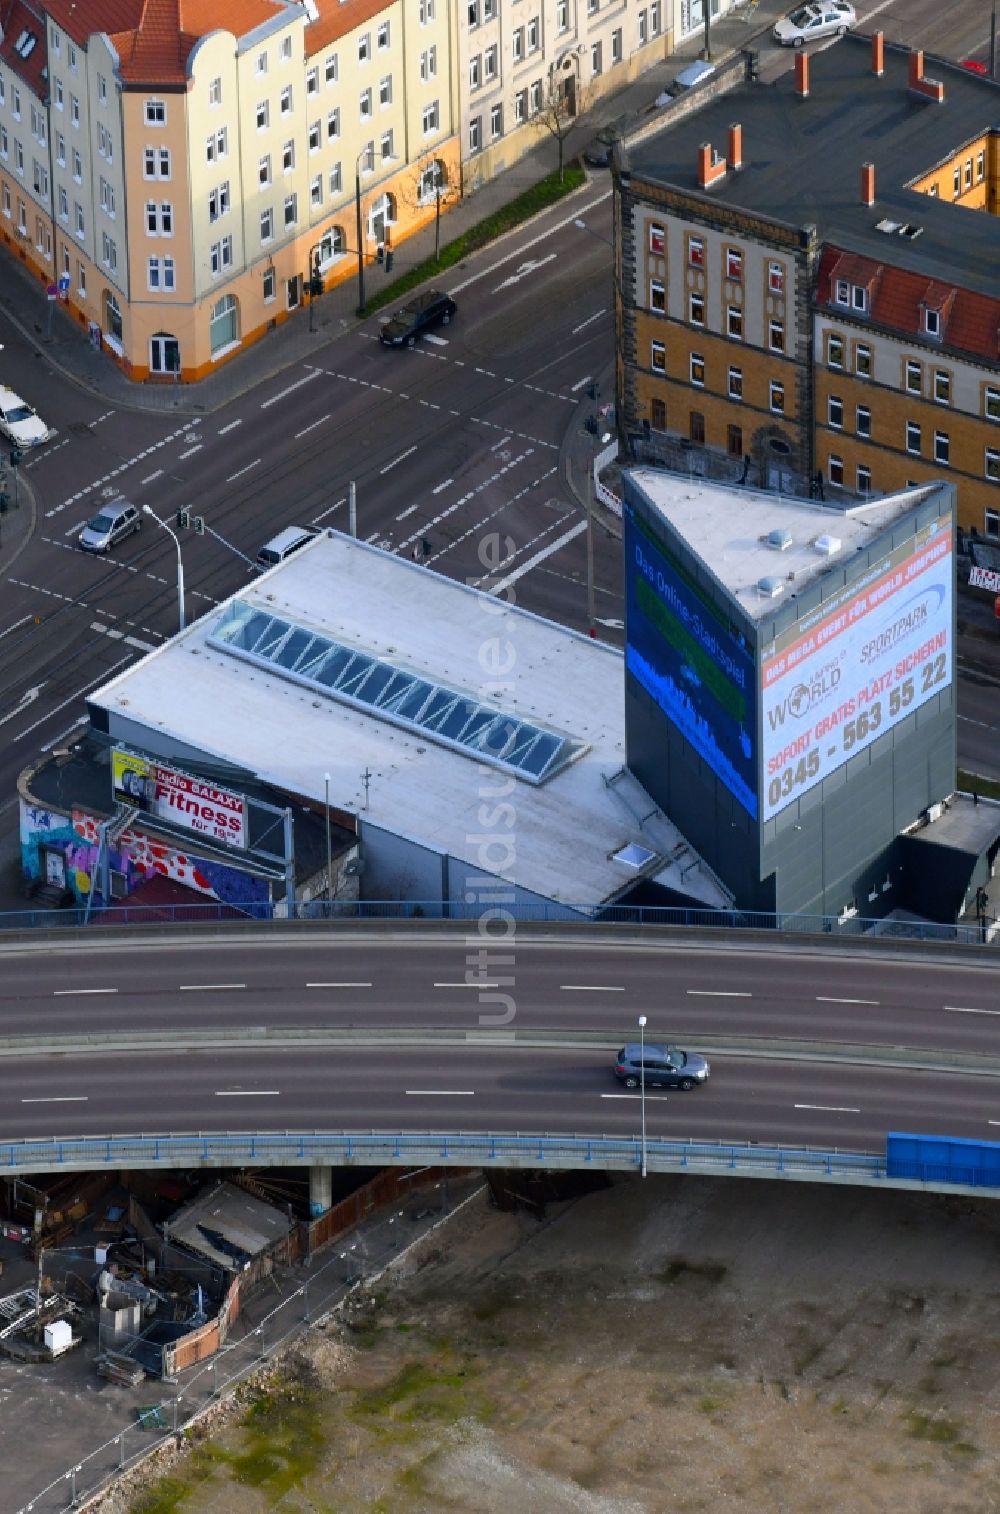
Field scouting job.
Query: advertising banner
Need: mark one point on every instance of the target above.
(984, 578)
(862, 663)
(684, 654)
(193, 803)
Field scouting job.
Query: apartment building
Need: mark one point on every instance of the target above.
(179, 175)
(809, 295)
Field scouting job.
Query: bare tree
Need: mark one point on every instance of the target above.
(564, 104)
(433, 181)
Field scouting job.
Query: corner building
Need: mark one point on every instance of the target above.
(808, 280)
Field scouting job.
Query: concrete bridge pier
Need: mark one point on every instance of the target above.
(320, 1190)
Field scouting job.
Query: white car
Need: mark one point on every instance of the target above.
(824, 18)
(19, 422)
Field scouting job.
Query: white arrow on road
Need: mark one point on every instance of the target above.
(28, 697)
(523, 271)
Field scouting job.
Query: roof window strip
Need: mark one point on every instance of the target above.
(352, 679)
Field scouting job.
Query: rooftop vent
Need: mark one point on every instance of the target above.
(826, 544)
(770, 588)
(899, 229)
(887, 226)
(779, 540)
(911, 231)
(634, 855)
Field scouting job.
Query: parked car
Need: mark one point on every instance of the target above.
(686, 79)
(660, 1066)
(283, 545)
(422, 314)
(824, 18)
(113, 522)
(20, 422)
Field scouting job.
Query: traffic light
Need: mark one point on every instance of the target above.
(183, 519)
(4, 501)
(380, 253)
(388, 260)
(199, 525)
(593, 390)
(590, 424)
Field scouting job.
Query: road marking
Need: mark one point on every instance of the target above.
(103, 678)
(651, 1098)
(63, 992)
(555, 546)
(404, 513)
(591, 988)
(580, 385)
(588, 322)
(961, 1009)
(190, 451)
(231, 427)
(829, 1108)
(60, 1098)
(409, 451)
(28, 697)
(247, 1093)
(580, 212)
(187, 988)
(24, 619)
(720, 993)
(826, 999)
(315, 373)
(441, 1093)
(150, 479)
(116, 635)
(234, 476)
(338, 985)
(306, 429)
(328, 511)
(469, 983)
(439, 341)
(531, 266)
(441, 487)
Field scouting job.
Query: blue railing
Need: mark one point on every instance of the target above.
(389, 910)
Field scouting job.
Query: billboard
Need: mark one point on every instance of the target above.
(193, 803)
(688, 659)
(862, 662)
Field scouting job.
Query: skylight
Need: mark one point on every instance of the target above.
(395, 694)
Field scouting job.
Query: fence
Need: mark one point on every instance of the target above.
(371, 911)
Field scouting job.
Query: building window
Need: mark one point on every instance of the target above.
(218, 201)
(697, 370)
(429, 64)
(734, 441)
(776, 278)
(473, 9)
(267, 224)
(385, 147)
(491, 61)
(734, 322)
(835, 471)
(736, 383)
(696, 428)
(658, 415)
(333, 124)
(156, 163)
(217, 144)
(658, 357)
(316, 186)
(364, 47)
(656, 18)
(657, 239)
(285, 100)
(536, 96)
(980, 167)
(291, 209)
(942, 447)
(430, 117)
(312, 82)
(776, 396)
(967, 173)
(334, 180)
(913, 378)
(288, 156)
(517, 44)
(776, 335)
(156, 113)
(220, 256)
(385, 91)
(261, 63)
(863, 420)
(263, 115)
(842, 292)
(532, 35)
(835, 350)
(496, 122)
(315, 137)
(215, 92)
(863, 360)
(696, 309)
(160, 273)
(993, 464)
(835, 412)
(913, 439)
(734, 263)
(864, 479)
(382, 35)
(616, 46)
(521, 105)
(331, 71)
(657, 296)
(426, 11)
(366, 103)
(475, 65)
(696, 252)
(859, 298)
(942, 386)
(932, 322)
(476, 134)
(562, 16)
(956, 182)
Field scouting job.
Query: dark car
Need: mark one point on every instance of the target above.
(660, 1066)
(422, 314)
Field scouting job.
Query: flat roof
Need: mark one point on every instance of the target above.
(223, 1213)
(802, 157)
(966, 824)
(194, 692)
(728, 525)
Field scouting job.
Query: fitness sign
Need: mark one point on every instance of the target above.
(869, 659)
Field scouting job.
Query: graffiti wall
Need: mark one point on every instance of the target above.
(137, 856)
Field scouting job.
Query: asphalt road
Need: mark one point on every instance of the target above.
(867, 1011)
(450, 443)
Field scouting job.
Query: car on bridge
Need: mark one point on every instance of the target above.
(660, 1066)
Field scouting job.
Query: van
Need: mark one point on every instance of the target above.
(283, 545)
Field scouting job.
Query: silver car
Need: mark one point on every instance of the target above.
(113, 522)
(823, 18)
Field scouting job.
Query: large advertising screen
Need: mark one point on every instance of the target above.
(862, 663)
(684, 654)
(197, 805)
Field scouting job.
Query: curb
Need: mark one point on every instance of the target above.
(24, 488)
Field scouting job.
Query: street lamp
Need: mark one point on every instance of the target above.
(642, 1085)
(591, 425)
(361, 244)
(180, 566)
(329, 842)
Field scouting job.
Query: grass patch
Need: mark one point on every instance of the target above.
(540, 196)
(939, 1431)
(678, 1268)
(708, 1403)
(419, 1393)
(168, 1496)
(973, 783)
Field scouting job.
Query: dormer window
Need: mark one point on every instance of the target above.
(842, 293)
(932, 322)
(859, 298)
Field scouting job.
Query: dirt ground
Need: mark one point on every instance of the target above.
(679, 1345)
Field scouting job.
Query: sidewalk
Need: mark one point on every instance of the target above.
(69, 350)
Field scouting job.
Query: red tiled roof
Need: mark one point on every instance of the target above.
(337, 18)
(971, 321)
(154, 38)
(15, 18)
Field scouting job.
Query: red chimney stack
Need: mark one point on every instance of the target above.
(868, 183)
(734, 157)
(878, 54)
(802, 75)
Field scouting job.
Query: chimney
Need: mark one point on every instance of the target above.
(710, 169)
(878, 54)
(927, 89)
(868, 183)
(802, 75)
(735, 156)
